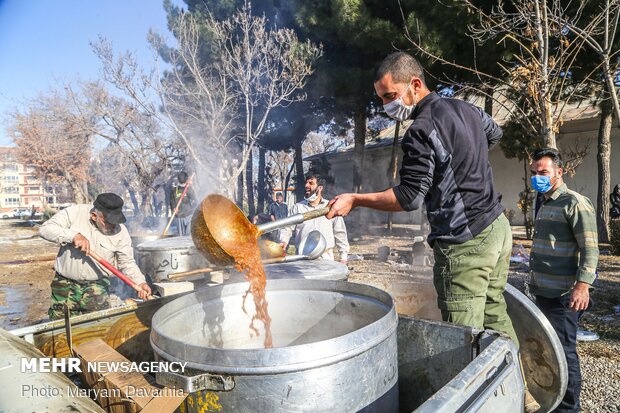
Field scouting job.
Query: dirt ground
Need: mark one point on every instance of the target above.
(24, 287)
(25, 294)
(600, 360)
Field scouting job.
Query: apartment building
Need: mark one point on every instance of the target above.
(19, 186)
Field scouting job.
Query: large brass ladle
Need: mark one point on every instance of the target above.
(218, 224)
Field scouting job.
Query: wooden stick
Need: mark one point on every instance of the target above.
(116, 272)
(176, 209)
(194, 272)
(207, 270)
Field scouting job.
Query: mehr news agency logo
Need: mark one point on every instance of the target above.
(74, 365)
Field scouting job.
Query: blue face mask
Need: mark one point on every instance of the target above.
(541, 183)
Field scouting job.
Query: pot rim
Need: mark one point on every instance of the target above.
(278, 359)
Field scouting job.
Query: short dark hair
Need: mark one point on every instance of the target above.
(320, 181)
(279, 194)
(182, 177)
(551, 153)
(402, 66)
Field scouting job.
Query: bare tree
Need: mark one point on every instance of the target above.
(268, 68)
(144, 148)
(48, 138)
(321, 142)
(542, 71)
(218, 108)
(599, 36)
(280, 163)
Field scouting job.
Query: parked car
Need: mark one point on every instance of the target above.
(27, 213)
(14, 213)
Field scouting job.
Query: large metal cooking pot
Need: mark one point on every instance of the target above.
(219, 224)
(137, 239)
(334, 348)
(161, 257)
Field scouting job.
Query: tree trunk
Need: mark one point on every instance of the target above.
(167, 193)
(604, 173)
(300, 181)
(611, 87)
(488, 100)
(84, 187)
(261, 179)
(393, 169)
(249, 186)
(146, 207)
(77, 188)
(287, 180)
(548, 135)
(240, 191)
(526, 202)
(359, 132)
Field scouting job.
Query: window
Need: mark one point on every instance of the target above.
(12, 201)
(11, 178)
(11, 190)
(10, 167)
(33, 189)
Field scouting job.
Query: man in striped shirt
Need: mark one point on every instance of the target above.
(563, 260)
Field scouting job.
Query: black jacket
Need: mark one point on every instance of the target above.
(446, 166)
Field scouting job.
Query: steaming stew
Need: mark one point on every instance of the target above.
(247, 258)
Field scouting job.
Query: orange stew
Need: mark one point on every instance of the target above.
(247, 258)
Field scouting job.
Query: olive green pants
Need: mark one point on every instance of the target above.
(80, 297)
(470, 279)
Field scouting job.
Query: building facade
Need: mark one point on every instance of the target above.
(19, 185)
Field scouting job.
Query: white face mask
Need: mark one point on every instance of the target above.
(314, 196)
(397, 109)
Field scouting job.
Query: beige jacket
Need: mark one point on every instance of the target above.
(334, 230)
(74, 264)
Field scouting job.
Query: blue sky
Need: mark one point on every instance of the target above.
(46, 42)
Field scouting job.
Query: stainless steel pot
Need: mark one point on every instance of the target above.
(138, 239)
(161, 257)
(334, 348)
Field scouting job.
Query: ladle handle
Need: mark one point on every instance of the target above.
(317, 213)
(292, 220)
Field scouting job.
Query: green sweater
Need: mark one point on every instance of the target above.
(565, 245)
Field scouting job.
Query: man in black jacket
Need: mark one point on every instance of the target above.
(446, 167)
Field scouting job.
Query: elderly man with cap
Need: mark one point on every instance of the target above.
(80, 282)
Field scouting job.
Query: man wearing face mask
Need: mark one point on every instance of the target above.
(446, 166)
(333, 230)
(80, 282)
(563, 260)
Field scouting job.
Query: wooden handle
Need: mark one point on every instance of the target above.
(317, 213)
(116, 272)
(194, 272)
(207, 270)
